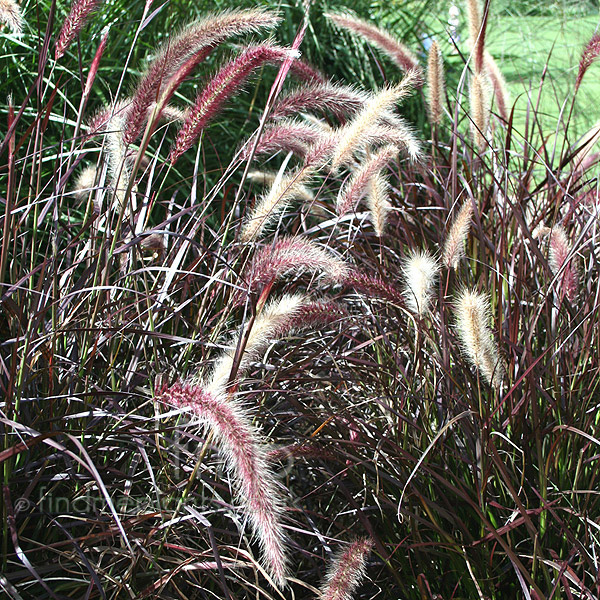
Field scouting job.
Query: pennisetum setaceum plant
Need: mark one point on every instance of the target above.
(262, 337)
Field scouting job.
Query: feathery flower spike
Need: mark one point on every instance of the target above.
(270, 205)
(476, 337)
(275, 320)
(286, 135)
(84, 183)
(226, 83)
(354, 189)
(341, 100)
(420, 271)
(454, 246)
(76, 19)
(499, 85)
(479, 100)
(354, 134)
(10, 15)
(244, 454)
(292, 255)
(589, 55)
(374, 287)
(435, 83)
(378, 202)
(562, 262)
(346, 572)
(183, 52)
(390, 46)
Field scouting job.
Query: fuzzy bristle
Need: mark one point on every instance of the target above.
(222, 86)
(292, 255)
(454, 246)
(244, 454)
(436, 90)
(419, 272)
(398, 52)
(355, 188)
(80, 12)
(476, 337)
(10, 15)
(182, 52)
(480, 92)
(346, 572)
(378, 200)
(271, 204)
(501, 95)
(354, 134)
(563, 262)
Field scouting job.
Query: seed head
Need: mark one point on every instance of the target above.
(476, 337)
(419, 271)
(346, 571)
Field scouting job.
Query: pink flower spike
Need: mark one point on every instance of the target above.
(288, 136)
(292, 255)
(563, 263)
(96, 62)
(226, 83)
(76, 19)
(589, 55)
(245, 457)
(398, 52)
(188, 49)
(352, 192)
(374, 287)
(339, 99)
(346, 572)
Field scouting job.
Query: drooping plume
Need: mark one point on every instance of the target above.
(340, 100)
(244, 454)
(10, 15)
(454, 246)
(355, 133)
(346, 572)
(287, 136)
(501, 95)
(292, 255)
(225, 84)
(398, 52)
(269, 206)
(356, 187)
(563, 262)
(188, 49)
(374, 287)
(275, 320)
(419, 272)
(589, 55)
(436, 87)
(78, 16)
(476, 337)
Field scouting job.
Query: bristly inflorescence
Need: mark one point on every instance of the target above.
(476, 337)
(244, 453)
(11, 15)
(346, 572)
(454, 245)
(292, 255)
(181, 54)
(80, 12)
(563, 262)
(420, 271)
(227, 82)
(398, 52)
